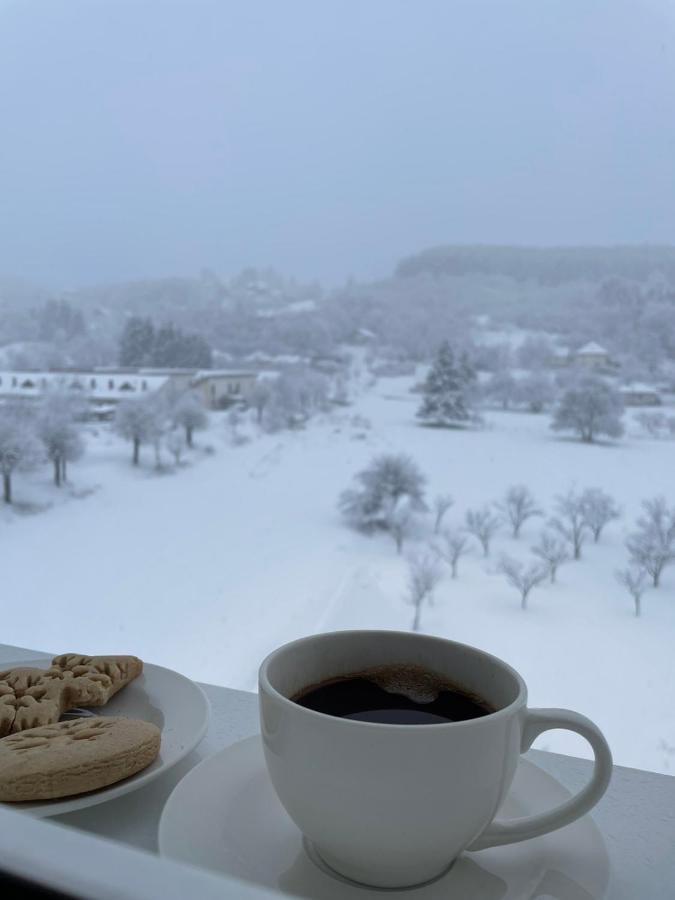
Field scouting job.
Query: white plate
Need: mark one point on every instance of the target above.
(225, 816)
(171, 701)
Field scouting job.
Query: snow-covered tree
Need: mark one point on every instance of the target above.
(590, 408)
(633, 578)
(502, 388)
(518, 506)
(570, 522)
(391, 482)
(19, 447)
(400, 521)
(522, 578)
(258, 396)
(424, 573)
(339, 391)
(599, 510)
(654, 423)
(552, 551)
(452, 546)
(140, 420)
(446, 400)
(652, 546)
(535, 352)
(536, 392)
(189, 414)
(442, 503)
(176, 444)
(483, 525)
(60, 436)
(294, 398)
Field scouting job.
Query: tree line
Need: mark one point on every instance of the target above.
(589, 407)
(389, 496)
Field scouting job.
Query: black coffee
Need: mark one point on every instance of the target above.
(393, 695)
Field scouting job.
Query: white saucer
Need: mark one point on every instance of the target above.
(171, 701)
(225, 816)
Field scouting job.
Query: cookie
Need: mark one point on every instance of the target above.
(72, 757)
(33, 697)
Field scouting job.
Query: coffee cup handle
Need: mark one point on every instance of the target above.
(537, 721)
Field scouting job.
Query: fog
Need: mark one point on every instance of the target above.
(326, 139)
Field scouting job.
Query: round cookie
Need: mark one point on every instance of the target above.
(75, 756)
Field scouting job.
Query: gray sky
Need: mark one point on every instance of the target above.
(326, 137)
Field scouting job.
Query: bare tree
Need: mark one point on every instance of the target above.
(652, 546)
(518, 506)
(294, 398)
(424, 573)
(502, 388)
(633, 579)
(61, 439)
(442, 503)
(522, 578)
(599, 510)
(570, 522)
(552, 551)
(140, 420)
(536, 391)
(400, 522)
(258, 396)
(654, 423)
(452, 547)
(189, 413)
(176, 444)
(19, 448)
(483, 525)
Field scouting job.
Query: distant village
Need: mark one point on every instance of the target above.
(105, 387)
(595, 357)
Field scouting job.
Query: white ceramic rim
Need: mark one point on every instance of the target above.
(45, 809)
(265, 684)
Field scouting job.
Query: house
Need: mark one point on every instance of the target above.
(559, 359)
(104, 387)
(220, 388)
(591, 356)
(640, 395)
(110, 385)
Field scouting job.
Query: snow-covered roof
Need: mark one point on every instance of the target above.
(281, 358)
(638, 388)
(92, 384)
(222, 373)
(591, 349)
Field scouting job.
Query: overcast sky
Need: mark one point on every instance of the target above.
(326, 137)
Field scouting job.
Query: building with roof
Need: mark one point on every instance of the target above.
(103, 388)
(220, 388)
(640, 395)
(592, 356)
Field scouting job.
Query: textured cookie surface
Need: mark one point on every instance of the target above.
(33, 697)
(72, 757)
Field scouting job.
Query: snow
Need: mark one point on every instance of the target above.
(591, 349)
(208, 568)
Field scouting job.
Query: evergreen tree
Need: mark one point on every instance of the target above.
(446, 390)
(137, 342)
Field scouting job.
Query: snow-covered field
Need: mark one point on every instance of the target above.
(207, 569)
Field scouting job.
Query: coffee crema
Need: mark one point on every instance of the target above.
(393, 695)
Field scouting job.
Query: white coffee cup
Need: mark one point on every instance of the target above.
(394, 805)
